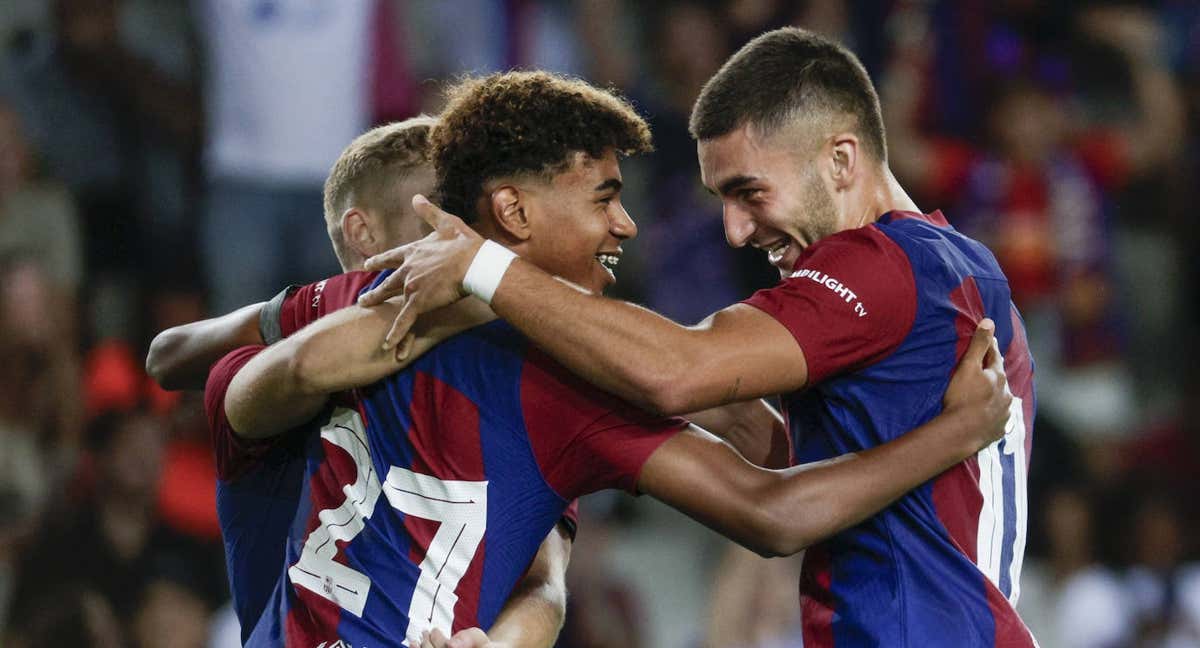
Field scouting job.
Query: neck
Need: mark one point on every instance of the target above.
(880, 194)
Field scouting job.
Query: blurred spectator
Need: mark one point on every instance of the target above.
(38, 406)
(289, 83)
(603, 610)
(112, 542)
(682, 244)
(1070, 600)
(173, 613)
(71, 616)
(1040, 195)
(108, 98)
(1164, 589)
(37, 218)
(754, 602)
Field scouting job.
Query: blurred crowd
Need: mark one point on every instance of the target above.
(162, 160)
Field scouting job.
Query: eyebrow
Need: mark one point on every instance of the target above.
(733, 183)
(611, 183)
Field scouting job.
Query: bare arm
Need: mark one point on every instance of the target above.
(534, 613)
(1156, 133)
(776, 513)
(289, 382)
(752, 427)
(736, 354)
(179, 357)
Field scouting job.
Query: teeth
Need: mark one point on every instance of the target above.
(609, 261)
(775, 254)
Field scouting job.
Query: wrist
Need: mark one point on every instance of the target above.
(970, 427)
(486, 270)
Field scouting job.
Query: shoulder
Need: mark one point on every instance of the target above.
(233, 454)
(341, 290)
(866, 249)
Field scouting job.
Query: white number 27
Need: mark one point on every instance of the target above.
(459, 506)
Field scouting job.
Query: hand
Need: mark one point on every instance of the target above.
(469, 638)
(979, 387)
(429, 272)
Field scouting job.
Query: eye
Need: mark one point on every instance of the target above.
(750, 195)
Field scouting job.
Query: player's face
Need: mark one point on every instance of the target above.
(774, 197)
(577, 222)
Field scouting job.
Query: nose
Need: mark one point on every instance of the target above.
(620, 224)
(739, 226)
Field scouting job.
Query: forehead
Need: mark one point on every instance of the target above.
(743, 152)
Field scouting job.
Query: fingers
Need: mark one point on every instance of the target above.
(469, 638)
(403, 324)
(434, 639)
(432, 214)
(392, 258)
(981, 341)
(404, 349)
(391, 286)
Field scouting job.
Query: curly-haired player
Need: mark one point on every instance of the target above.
(875, 302)
(367, 209)
(434, 487)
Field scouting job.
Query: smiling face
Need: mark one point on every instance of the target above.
(576, 221)
(774, 196)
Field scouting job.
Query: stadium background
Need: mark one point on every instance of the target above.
(141, 139)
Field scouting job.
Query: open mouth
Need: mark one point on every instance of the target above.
(609, 261)
(776, 251)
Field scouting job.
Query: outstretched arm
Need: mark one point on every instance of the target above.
(737, 354)
(289, 382)
(179, 357)
(777, 513)
(1156, 133)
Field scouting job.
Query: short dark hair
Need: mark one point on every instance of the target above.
(513, 123)
(783, 74)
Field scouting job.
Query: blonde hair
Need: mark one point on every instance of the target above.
(371, 163)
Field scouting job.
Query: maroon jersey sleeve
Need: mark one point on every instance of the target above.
(234, 454)
(586, 440)
(308, 303)
(849, 302)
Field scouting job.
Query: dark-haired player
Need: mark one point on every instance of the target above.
(876, 303)
(367, 210)
(434, 488)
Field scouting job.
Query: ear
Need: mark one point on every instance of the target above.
(358, 233)
(844, 158)
(507, 206)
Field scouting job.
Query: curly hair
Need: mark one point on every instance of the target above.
(515, 123)
(368, 166)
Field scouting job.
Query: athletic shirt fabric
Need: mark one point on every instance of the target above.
(882, 314)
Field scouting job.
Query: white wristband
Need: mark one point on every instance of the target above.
(487, 269)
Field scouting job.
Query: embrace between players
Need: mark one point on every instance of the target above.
(420, 492)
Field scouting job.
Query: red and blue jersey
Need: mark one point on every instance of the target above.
(259, 482)
(426, 496)
(882, 314)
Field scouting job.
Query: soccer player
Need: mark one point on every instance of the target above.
(367, 210)
(433, 487)
(876, 302)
